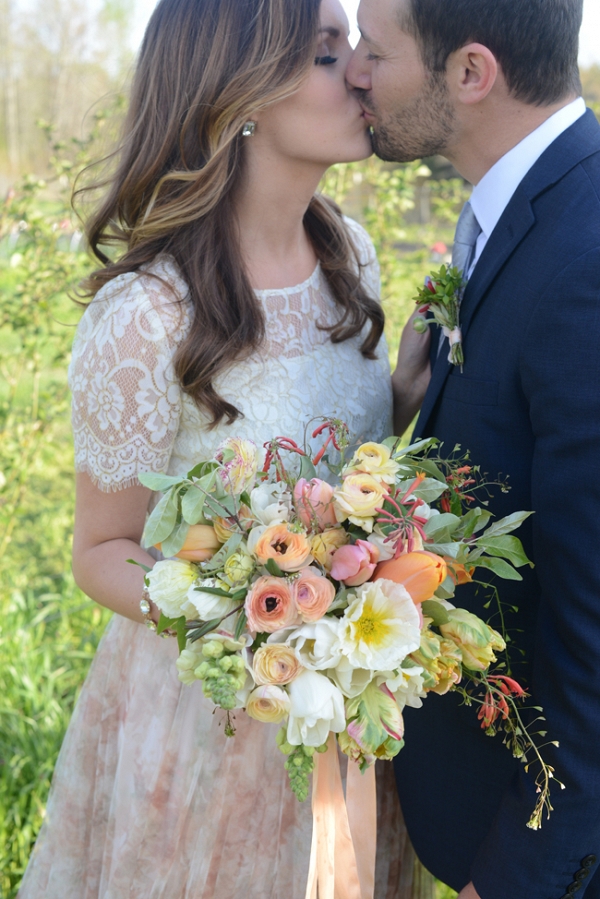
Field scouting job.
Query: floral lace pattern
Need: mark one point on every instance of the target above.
(130, 414)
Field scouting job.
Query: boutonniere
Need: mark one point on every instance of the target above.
(441, 296)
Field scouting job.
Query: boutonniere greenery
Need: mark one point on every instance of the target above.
(441, 296)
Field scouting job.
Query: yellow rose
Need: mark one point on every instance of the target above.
(275, 664)
(374, 459)
(268, 704)
(323, 546)
(358, 498)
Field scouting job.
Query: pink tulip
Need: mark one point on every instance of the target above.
(314, 503)
(354, 565)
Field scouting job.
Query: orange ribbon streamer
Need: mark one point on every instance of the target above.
(344, 839)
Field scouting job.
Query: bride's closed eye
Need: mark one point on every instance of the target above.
(325, 60)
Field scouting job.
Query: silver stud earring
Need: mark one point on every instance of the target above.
(249, 129)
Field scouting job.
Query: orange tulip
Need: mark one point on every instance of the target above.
(421, 573)
(458, 572)
(200, 544)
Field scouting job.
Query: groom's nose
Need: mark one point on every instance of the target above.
(358, 71)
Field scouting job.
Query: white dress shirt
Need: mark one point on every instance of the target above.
(493, 193)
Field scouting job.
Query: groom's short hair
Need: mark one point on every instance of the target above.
(536, 42)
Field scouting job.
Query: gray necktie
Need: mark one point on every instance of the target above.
(463, 252)
(467, 232)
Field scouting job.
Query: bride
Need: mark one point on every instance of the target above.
(238, 302)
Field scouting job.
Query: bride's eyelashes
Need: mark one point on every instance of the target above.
(325, 60)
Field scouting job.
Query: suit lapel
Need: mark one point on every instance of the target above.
(516, 222)
(577, 143)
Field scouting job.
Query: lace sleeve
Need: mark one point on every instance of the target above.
(370, 272)
(126, 399)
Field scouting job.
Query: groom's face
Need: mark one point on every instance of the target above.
(408, 107)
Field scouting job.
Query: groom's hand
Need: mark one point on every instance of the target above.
(469, 892)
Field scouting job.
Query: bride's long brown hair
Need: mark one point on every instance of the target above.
(205, 67)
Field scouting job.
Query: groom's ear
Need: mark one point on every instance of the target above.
(472, 73)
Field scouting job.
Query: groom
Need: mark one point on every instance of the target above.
(493, 85)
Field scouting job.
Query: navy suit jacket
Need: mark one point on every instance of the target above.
(527, 405)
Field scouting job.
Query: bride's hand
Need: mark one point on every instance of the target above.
(412, 375)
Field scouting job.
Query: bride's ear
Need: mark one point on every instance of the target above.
(472, 73)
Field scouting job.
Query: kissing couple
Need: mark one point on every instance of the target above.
(240, 300)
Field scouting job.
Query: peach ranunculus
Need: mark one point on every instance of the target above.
(269, 704)
(270, 605)
(289, 548)
(200, 544)
(240, 460)
(324, 545)
(420, 572)
(374, 459)
(358, 498)
(313, 594)
(354, 565)
(314, 503)
(275, 663)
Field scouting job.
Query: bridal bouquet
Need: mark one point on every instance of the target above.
(327, 607)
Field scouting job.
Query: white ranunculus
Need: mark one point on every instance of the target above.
(169, 583)
(351, 681)
(254, 536)
(387, 551)
(317, 645)
(380, 627)
(206, 605)
(317, 707)
(408, 687)
(271, 503)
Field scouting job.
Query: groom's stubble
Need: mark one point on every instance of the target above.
(422, 127)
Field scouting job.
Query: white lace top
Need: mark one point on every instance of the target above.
(130, 414)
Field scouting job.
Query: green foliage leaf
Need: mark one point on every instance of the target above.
(499, 567)
(165, 624)
(162, 520)
(417, 447)
(435, 611)
(474, 521)
(446, 523)
(204, 629)
(139, 565)
(508, 524)
(157, 481)
(509, 548)
(307, 469)
(446, 549)
(240, 626)
(273, 568)
(192, 504)
(174, 542)
(430, 489)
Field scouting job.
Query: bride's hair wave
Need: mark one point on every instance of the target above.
(205, 68)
